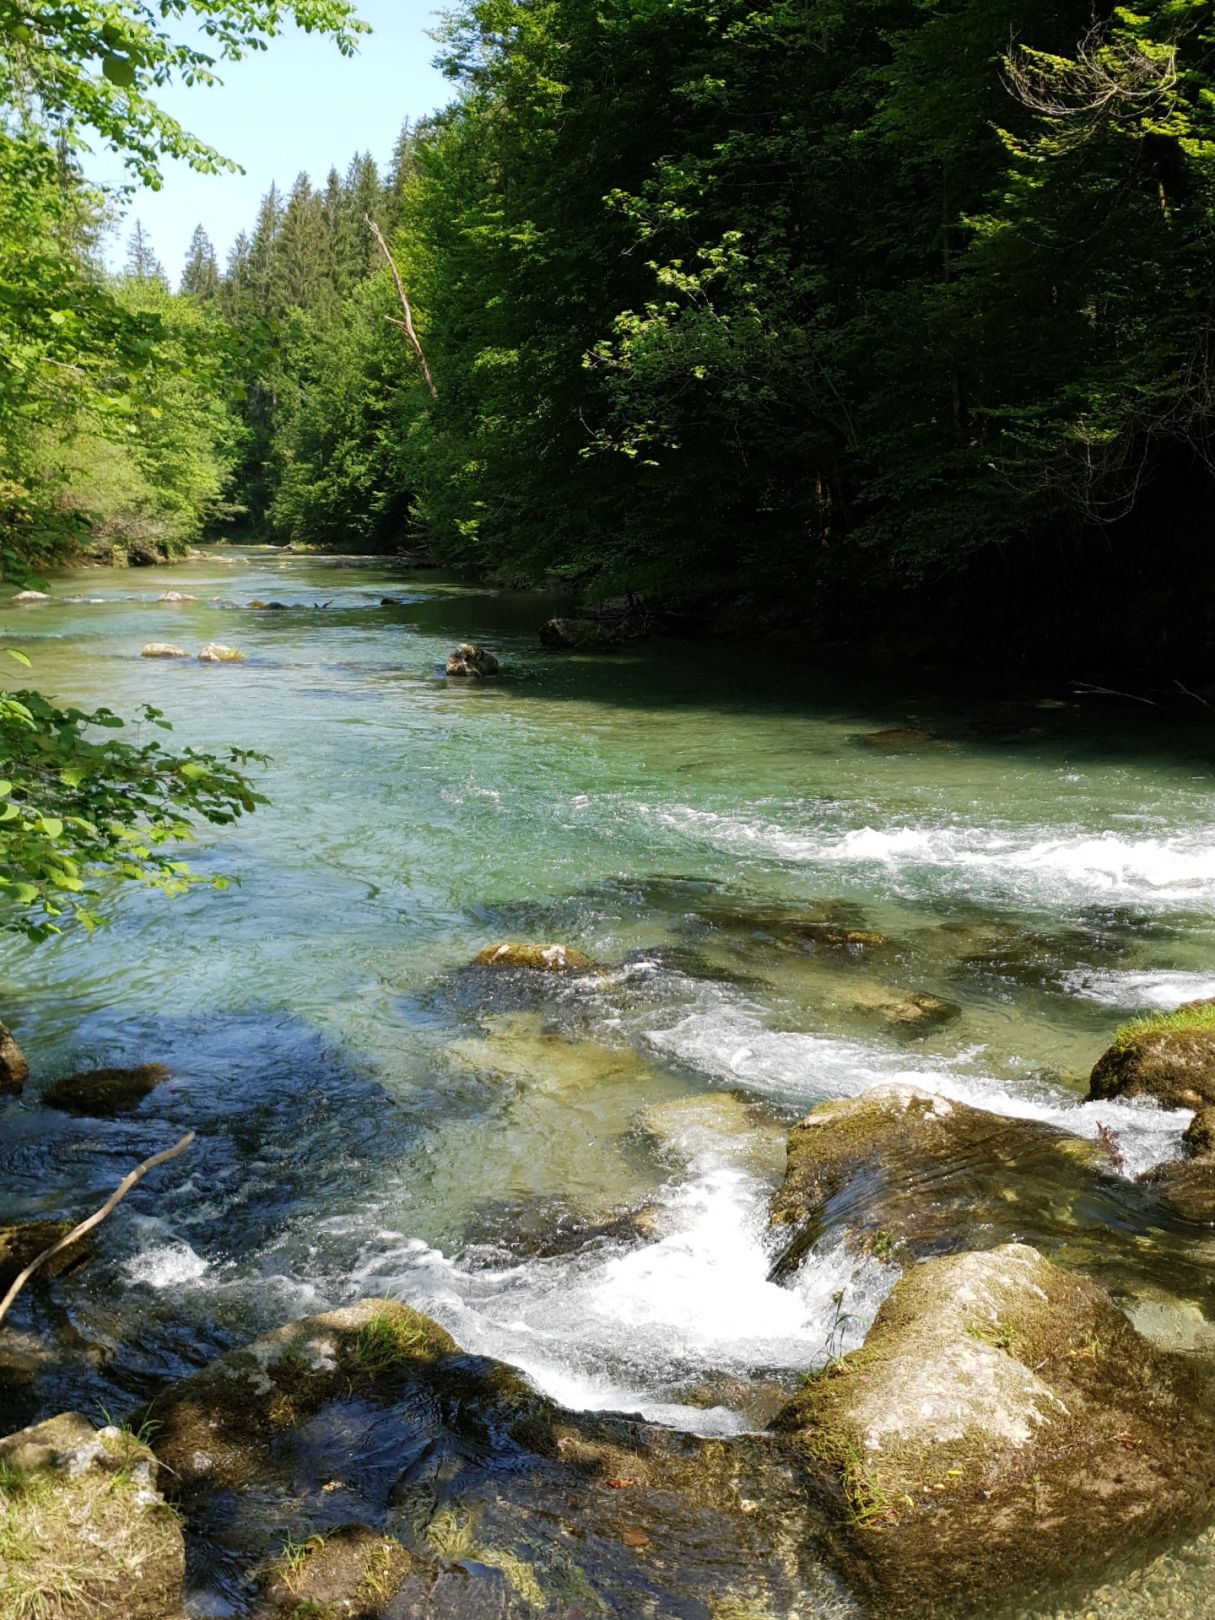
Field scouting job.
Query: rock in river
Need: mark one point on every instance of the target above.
(908, 1173)
(23, 1241)
(163, 649)
(471, 662)
(84, 1533)
(28, 598)
(1170, 1058)
(14, 1070)
(102, 1093)
(216, 653)
(1002, 1429)
(539, 958)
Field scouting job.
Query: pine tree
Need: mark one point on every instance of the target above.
(142, 263)
(303, 252)
(201, 273)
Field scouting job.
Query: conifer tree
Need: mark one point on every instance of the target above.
(201, 273)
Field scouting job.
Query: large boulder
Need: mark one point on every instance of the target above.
(14, 1070)
(471, 662)
(1002, 1431)
(536, 958)
(103, 1093)
(908, 1174)
(1170, 1058)
(84, 1532)
(1186, 1187)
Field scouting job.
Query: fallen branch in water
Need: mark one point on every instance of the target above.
(111, 1203)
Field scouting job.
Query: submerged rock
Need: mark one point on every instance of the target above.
(906, 1173)
(470, 661)
(537, 958)
(1186, 1188)
(351, 1571)
(268, 607)
(216, 653)
(25, 598)
(14, 1070)
(906, 1011)
(102, 1093)
(1175, 1066)
(163, 649)
(907, 737)
(84, 1532)
(176, 596)
(1003, 1430)
(579, 635)
(23, 1241)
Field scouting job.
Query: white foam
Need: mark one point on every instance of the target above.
(733, 1045)
(167, 1265)
(621, 1329)
(1140, 990)
(1047, 865)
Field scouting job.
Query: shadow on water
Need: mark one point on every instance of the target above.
(207, 1252)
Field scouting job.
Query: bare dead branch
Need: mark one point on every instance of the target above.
(406, 325)
(111, 1203)
(1108, 80)
(1085, 689)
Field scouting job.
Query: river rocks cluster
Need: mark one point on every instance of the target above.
(215, 652)
(1002, 1431)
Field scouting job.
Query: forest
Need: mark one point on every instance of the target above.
(811, 306)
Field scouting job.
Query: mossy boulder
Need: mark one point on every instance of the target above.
(23, 1241)
(218, 1427)
(536, 958)
(1002, 1431)
(1186, 1188)
(14, 1070)
(103, 1093)
(84, 1532)
(470, 662)
(1169, 1057)
(909, 1174)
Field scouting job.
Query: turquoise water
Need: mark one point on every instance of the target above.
(376, 1117)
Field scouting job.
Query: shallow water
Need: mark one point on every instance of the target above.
(376, 1117)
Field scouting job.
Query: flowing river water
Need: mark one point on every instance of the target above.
(375, 1117)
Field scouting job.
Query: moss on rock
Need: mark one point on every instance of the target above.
(1006, 1430)
(351, 1571)
(23, 1241)
(102, 1093)
(84, 1534)
(536, 958)
(1167, 1056)
(928, 1174)
(1199, 1137)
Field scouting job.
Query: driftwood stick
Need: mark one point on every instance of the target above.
(1086, 689)
(406, 325)
(111, 1203)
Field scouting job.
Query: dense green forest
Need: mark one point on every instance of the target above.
(790, 310)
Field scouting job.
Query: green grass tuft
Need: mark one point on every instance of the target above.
(1180, 1022)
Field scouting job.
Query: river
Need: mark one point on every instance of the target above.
(375, 1117)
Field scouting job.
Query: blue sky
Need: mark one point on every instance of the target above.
(298, 105)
